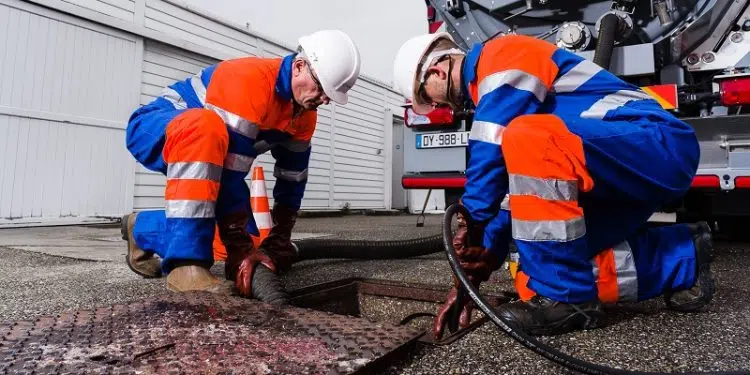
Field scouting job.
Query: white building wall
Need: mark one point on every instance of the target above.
(78, 68)
(67, 89)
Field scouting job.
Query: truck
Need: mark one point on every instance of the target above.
(689, 55)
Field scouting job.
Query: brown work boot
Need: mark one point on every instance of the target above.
(140, 261)
(236, 240)
(542, 316)
(188, 277)
(700, 294)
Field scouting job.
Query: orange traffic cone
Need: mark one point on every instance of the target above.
(260, 206)
(261, 213)
(220, 252)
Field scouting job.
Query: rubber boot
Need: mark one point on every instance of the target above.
(187, 277)
(543, 316)
(700, 294)
(140, 261)
(237, 241)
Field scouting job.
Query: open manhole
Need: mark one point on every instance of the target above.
(403, 304)
(343, 327)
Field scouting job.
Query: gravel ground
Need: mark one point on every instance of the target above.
(43, 273)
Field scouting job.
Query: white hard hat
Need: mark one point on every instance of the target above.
(406, 78)
(335, 60)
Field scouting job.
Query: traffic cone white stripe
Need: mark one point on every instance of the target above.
(258, 188)
(260, 205)
(263, 220)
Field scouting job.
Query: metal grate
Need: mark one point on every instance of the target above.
(198, 333)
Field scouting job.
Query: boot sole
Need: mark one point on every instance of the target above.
(126, 237)
(592, 321)
(700, 303)
(223, 289)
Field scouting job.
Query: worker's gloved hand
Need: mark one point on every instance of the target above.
(278, 244)
(246, 270)
(478, 263)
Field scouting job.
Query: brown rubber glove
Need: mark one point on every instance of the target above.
(246, 270)
(477, 262)
(278, 244)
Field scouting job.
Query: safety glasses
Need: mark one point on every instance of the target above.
(315, 79)
(421, 92)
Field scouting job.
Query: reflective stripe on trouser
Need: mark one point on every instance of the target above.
(195, 148)
(618, 188)
(650, 263)
(546, 170)
(191, 145)
(146, 135)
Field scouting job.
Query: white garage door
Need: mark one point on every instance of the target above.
(66, 92)
(359, 149)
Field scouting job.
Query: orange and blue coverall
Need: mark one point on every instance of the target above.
(570, 162)
(204, 133)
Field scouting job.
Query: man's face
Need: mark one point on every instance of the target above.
(306, 87)
(435, 87)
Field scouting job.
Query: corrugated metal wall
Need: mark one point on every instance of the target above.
(181, 23)
(162, 66)
(71, 83)
(359, 144)
(123, 9)
(66, 90)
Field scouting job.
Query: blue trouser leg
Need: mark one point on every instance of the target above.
(145, 137)
(150, 226)
(150, 231)
(664, 260)
(192, 155)
(651, 261)
(633, 168)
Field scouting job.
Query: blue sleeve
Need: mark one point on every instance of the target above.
(497, 234)
(486, 175)
(292, 160)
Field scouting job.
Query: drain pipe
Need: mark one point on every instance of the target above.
(322, 248)
(609, 28)
(267, 286)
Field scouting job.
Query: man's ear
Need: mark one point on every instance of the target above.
(297, 67)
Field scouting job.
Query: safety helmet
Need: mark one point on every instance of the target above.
(335, 60)
(410, 66)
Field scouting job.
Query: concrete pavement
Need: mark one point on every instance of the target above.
(50, 270)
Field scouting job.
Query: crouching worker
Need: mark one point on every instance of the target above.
(585, 159)
(204, 133)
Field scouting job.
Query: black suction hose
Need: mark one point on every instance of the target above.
(605, 42)
(322, 248)
(515, 332)
(267, 286)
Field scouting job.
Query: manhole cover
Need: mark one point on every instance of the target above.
(198, 333)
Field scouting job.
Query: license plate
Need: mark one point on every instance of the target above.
(436, 140)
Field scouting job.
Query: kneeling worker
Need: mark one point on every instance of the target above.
(585, 159)
(204, 133)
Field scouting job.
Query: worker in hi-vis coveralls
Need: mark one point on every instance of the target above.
(204, 133)
(568, 162)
